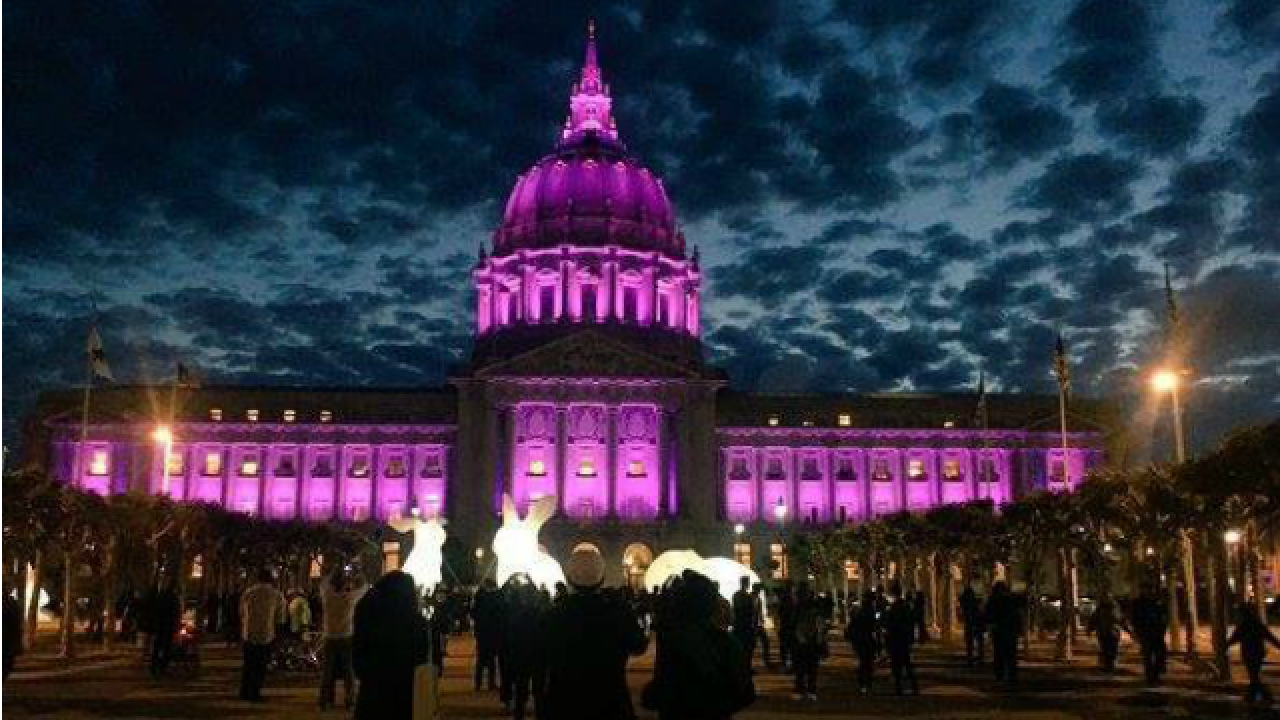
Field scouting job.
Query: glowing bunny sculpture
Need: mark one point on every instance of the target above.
(725, 573)
(427, 558)
(516, 544)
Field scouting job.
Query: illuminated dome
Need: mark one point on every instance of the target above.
(590, 191)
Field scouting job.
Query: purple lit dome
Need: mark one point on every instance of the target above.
(589, 191)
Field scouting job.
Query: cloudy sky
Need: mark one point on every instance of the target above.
(887, 195)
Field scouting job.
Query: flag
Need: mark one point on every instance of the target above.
(981, 414)
(187, 376)
(1060, 366)
(98, 357)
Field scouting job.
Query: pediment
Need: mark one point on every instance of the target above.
(587, 354)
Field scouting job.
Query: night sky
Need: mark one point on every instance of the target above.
(887, 195)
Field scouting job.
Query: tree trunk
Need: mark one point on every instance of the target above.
(1175, 616)
(1219, 568)
(1066, 651)
(108, 594)
(1193, 592)
(68, 605)
(33, 610)
(1255, 569)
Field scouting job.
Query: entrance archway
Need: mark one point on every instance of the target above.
(636, 559)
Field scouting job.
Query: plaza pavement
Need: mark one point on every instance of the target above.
(97, 685)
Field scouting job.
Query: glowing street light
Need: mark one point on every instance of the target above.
(739, 529)
(1232, 537)
(163, 435)
(479, 553)
(780, 511)
(1167, 381)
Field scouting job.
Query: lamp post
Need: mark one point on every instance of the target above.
(1167, 381)
(780, 514)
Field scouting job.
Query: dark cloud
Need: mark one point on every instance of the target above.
(1255, 23)
(1013, 126)
(769, 275)
(1081, 189)
(1257, 144)
(1154, 124)
(1111, 49)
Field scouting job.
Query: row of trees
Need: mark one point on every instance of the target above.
(1163, 524)
(78, 544)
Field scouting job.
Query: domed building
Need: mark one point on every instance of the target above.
(588, 384)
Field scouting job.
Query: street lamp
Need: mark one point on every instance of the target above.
(739, 529)
(780, 511)
(1231, 536)
(1167, 381)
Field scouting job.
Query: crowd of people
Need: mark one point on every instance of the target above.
(562, 652)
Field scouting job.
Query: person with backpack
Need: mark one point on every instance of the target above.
(700, 671)
(810, 636)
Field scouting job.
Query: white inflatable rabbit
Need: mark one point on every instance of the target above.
(725, 573)
(427, 558)
(516, 544)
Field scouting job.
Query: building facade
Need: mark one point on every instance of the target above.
(587, 382)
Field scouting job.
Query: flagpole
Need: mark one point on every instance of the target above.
(83, 450)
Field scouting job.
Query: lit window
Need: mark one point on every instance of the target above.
(635, 468)
(326, 416)
(359, 466)
(395, 467)
(915, 470)
(537, 468)
(213, 463)
(215, 414)
(880, 469)
(176, 463)
(290, 416)
(951, 469)
(587, 468)
(844, 420)
(773, 421)
(99, 462)
(1055, 470)
(252, 415)
(949, 424)
(807, 423)
(249, 466)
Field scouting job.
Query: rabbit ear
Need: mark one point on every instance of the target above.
(510, 515)
(402, 524)
(541, 511)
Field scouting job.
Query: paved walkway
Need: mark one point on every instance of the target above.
(116, 686)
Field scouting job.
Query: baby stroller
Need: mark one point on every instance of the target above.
(185, 658)
(297, 653)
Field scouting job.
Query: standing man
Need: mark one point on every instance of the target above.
(261, 607)
(1005, 619)
(900, 633)
(862, 636)
(1253, 636)
(338, 598)
(590, 636)
(975, 629)
(486, 622)
(166, 618)
(762, 634)
(1149, 620)
(786, 616)
(744, 618)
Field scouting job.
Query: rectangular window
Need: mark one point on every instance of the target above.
(215, 414)
(587, 468)
(177, 462)
(778, 553)
(431, 466)
(773, 469)
(635, 468)
(844, 469)
(844, 513)
(323, 467)
(290, 416)
(213, 463)
(537, 468)
(252, 415)
(844, 420)
(951, 470)
(773, 421)
(326, 416)
(285, 466)
(915, 470)
(99, 462)
(742, 553)
(738, 469)
(249, 466)
(987, 470)
(809, 469)
(396, 468)
(359, 466)
(880, 470)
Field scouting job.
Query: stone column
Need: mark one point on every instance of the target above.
(662, 470)
(864, 477)
(562, 469)
(611, 459)
(469, 492)
(697, 454)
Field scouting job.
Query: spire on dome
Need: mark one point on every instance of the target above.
(590, 107)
